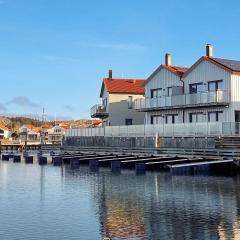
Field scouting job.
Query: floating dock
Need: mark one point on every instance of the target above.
(175, 164)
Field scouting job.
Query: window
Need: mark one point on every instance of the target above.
(215, 116)
(195, 88)
(128, 121)
(171, 118)
(215, 85)
(156, 119)
(196, 117)
(130, 102)
(105, 102)
(169, 91)
(155, 93)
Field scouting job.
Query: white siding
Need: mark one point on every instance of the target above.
(235, 96)
(164, 113)
(206, 72)
(163, 79)
(205, 111)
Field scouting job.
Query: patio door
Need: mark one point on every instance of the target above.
(237, 121)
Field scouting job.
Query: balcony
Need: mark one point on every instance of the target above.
(201, 99)
(99, 111)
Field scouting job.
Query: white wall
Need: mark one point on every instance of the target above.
(206, 72)
(163, 79)
(119, 111)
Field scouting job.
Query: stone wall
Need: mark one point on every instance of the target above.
(141, 142)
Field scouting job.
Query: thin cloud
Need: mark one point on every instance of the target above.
(69, 108)
(23, 101)
(2, 107)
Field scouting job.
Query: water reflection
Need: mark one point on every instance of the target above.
(85, 204)
(168, 207)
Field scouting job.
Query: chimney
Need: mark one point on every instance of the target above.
(168, 60)
(110, 74)
(209, 50)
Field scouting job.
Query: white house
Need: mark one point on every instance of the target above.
(208, 91)
(4, 132)
(25, 133)
(55, 135)
(117, 97)
(164, 83)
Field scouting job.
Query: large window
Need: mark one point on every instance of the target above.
(156, 92)
(130, 102)
(196, 117)
(128, 121)
(156, 119)
(105, 102)
(215, 116)
(169, 91)
(171, 118)
(215, 85)
(195, 88)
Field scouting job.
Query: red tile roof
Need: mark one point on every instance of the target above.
(176, 69)
(128, 86)
(4, 127)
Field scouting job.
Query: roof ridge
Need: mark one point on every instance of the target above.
(225, 59)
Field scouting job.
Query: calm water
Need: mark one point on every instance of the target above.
(54, 203)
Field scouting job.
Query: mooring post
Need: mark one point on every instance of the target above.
(93, 163)
(29, 159)
(16, 158)
(42, 160)
(57, 161)
(140, 168)
(116, 166)
(74, 162)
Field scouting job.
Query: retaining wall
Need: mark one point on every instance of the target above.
(141, 142)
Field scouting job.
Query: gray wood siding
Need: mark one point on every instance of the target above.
(163, 79)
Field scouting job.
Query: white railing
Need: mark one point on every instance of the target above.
(168, 130)
(98, 109)
(184, 100)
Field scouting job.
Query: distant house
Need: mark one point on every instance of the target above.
(65, 125)
(117, 96)
(55, 135)
(26, 133)
(4, 132)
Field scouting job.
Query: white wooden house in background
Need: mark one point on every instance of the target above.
(26, 133)
(5, 133)
(208, 91)
(55, 135)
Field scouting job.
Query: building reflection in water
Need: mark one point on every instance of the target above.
(161, 206)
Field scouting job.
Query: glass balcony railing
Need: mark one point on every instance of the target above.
(99, 111)
(184, 101)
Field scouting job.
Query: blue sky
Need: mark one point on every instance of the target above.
(54, 53)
